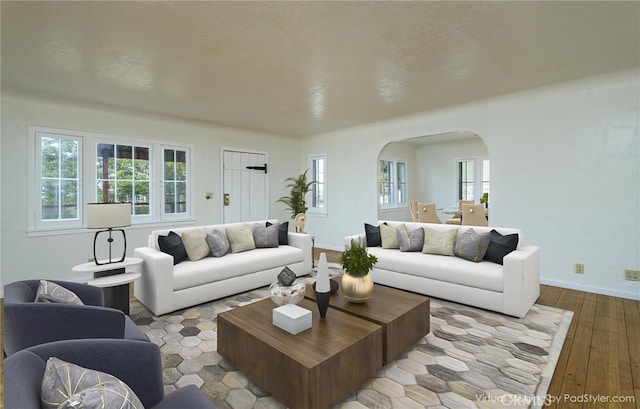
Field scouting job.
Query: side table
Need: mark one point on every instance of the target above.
(114, 280)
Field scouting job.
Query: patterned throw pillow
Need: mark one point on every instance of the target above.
(67, 386)
(54, 293)
(283, 233)
(218, 243)
(410, 240)
(172, 245)
(195, 243)
(439, 242)
(265, 236)
(471, 245)
(389, 237)
(240, 238)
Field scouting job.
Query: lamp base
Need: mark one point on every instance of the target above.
(110, 241)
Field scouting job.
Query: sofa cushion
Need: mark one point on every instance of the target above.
(195, 244)
(373, 235)
(172, 245)
(218, 243)
(265, 236)
(389, 237)
(54, 293)
(283, 232)
(439, 242)
(500, 245)
(471, 245)
(66, 385)
(194, 273)
(240, 238)
(484, 275)
(410, 240)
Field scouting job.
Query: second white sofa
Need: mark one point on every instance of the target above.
(165, 287)
(510, 288)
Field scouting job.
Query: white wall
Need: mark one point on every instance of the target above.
(564, 158)
(53, 256)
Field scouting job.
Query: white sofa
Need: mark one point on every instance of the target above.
(164, 288)
(511, 288)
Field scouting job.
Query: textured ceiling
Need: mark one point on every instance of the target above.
(301, 68)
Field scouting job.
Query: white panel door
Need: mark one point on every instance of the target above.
(244, 186)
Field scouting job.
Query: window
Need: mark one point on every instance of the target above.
(175, 181)
(318, 166)
(468, 183)
(466, 175)
(392, 183)
(122, 175)
(116, 170)
(59, 183)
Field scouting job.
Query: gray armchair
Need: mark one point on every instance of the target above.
(28, 323)
(138, 364)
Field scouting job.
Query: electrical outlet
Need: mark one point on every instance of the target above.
(579, 269)
(632, 275)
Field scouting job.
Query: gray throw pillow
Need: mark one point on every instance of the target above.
(389, 237)
(410, 240)
(240, 238)
(54, 293)
(439, 242)
(218, 243)
(265, 236)
(67, 386)
(471, 245)
(195, 243)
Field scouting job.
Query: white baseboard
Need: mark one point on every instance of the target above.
(590, 289)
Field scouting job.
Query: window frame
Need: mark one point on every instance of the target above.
(88, 159)
(479, 182)
(394, 183)
(314, 193)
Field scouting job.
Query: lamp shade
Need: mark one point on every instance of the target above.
(105, 215)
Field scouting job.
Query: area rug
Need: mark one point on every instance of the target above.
(472, 358)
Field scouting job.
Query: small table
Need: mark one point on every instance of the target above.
(113, 279)
(315, 369)
(405, 317)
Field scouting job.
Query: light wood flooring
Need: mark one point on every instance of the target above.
(600, 358)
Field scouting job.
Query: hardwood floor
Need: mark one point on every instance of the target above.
(600, 358)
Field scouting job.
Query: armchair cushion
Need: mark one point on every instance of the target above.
(52, 292)
(137, 364)
(66, 385)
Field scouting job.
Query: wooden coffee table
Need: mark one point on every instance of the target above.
(314, 369)
(404, 316)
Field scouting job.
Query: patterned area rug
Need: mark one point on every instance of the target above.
(472, 358)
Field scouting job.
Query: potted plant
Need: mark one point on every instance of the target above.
(485, 199)
(299, 187)
(357, 283)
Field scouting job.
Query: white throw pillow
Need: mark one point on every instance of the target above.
(195, 242)
(389, 236)
(240, 238)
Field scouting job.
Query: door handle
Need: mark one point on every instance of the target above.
(226, 199)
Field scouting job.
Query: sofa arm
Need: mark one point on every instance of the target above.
(154, 289)
(357, 237)
(303, 241)
(29, 324)
(521, 269)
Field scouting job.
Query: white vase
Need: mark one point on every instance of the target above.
(322, 279)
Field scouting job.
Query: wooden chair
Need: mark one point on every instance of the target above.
(473, 215)
(413, 208)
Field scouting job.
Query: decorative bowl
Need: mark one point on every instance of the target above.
(287, 294)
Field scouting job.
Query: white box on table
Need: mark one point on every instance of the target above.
(292, 318)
